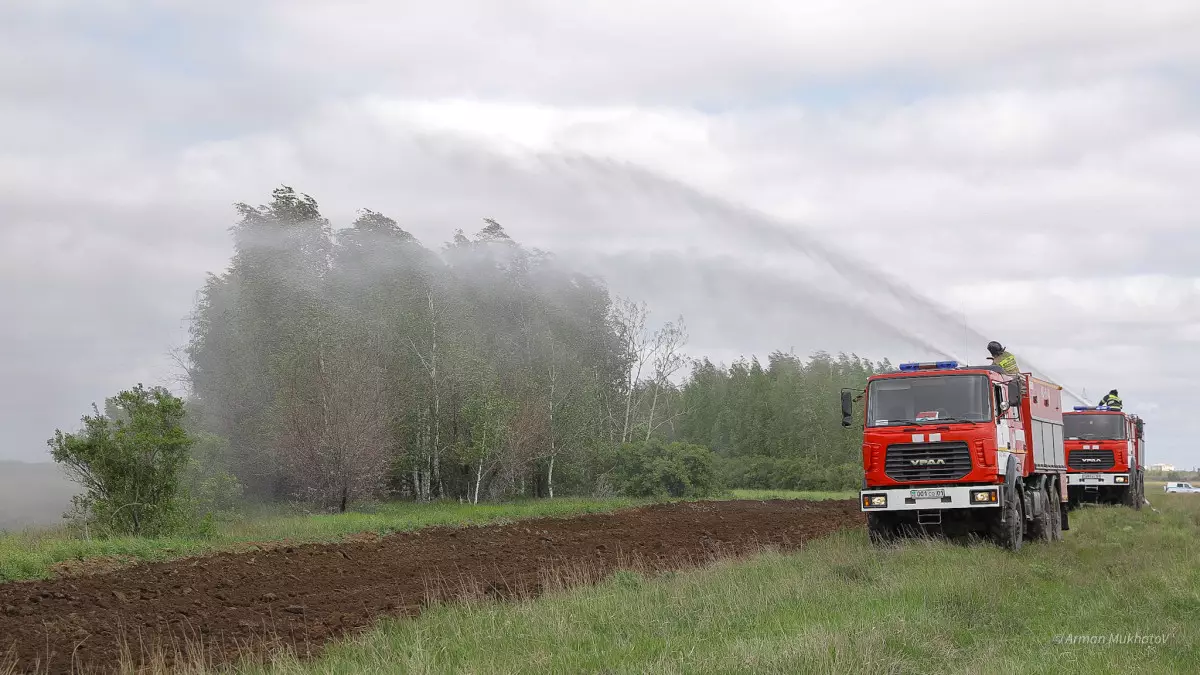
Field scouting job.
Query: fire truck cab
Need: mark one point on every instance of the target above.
(1105, 456)
(963, 450)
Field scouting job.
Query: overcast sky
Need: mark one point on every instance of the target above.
(787, 175)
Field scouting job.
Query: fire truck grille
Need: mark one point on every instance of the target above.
(927, 461)
(1091, 460)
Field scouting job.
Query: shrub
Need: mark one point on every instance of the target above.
(129, 462)
(211, 492)
(787, 473)
(654, 469)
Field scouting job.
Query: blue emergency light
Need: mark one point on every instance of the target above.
(928, 365)
(1088, 407)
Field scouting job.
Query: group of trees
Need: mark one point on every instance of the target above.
(342, 365)
(779, 426)
(331, 366)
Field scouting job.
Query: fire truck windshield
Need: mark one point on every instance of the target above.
(932, 398)
(1094, 427)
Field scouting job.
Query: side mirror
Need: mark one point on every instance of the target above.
(847, 408)
(1141, 429)
(1014, 391)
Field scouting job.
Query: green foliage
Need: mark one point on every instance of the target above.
(790, 494)
(777, 427)
(208, 488)
(347, 364)
(129, 462)
(657, 469)
(787, 473)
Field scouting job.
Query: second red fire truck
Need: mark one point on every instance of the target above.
(1106, 452)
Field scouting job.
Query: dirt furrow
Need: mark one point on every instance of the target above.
(304, 596)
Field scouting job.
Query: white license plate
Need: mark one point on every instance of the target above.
(1091, 476)
(927, 494)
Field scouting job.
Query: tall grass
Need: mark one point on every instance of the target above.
(841, 606)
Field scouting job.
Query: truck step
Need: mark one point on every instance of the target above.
(929, 517)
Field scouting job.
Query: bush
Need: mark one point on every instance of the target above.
(209, 490)
(654, 469)
(759, 472)
(129, 462)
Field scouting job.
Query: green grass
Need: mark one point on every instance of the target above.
(841, 606)
(33, 554)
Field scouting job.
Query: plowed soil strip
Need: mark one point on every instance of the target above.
(302, 597)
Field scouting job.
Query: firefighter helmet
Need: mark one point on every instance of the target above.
(995, 348)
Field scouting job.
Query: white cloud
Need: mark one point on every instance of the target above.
(1031, 165)
(715, 50)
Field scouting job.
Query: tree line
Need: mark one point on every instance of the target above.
(335, 365)
(778, 426)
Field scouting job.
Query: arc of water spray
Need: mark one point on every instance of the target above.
(569, 173)
(796, 239)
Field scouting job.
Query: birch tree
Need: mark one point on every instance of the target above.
(667, 359)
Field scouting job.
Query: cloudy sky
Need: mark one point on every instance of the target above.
(841, 175)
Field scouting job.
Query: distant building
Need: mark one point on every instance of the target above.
(1162, 468)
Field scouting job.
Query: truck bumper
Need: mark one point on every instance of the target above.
(1077, 479)
(925, 499)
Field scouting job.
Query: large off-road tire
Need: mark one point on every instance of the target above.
(1129, 497)
(1054, 505)
(1009, 533)
(1044, 526)
(1140, 496)
(881, 529)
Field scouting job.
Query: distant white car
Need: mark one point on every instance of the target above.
(1180, 487)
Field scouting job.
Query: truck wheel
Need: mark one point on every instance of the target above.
(880, 529)
(1010, 534)
(1054, 506)
(1129, 496)
(1043, 526)
(1139, 496)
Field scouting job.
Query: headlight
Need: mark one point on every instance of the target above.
(874, 501)
(1121, 479)
(985, 496)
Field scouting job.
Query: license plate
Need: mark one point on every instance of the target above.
(1092, 476)
(927, 494)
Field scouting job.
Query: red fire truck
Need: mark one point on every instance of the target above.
(962, 450)
(1105, 456)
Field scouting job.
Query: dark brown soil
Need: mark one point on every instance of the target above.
(303, 596)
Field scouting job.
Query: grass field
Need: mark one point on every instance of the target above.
(1120, 595)
(35, 553)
